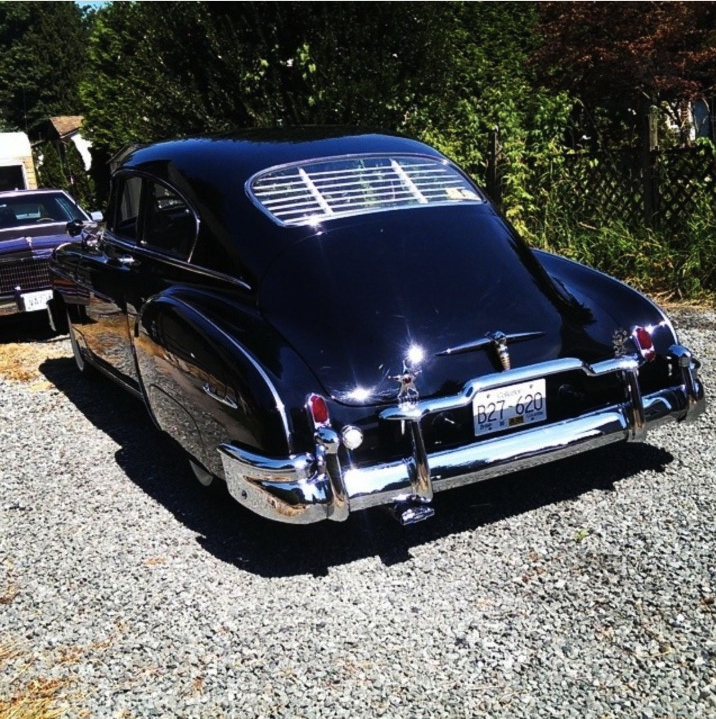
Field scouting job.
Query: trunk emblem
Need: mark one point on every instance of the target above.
(408, 392)
(619, 340)
(499, 341)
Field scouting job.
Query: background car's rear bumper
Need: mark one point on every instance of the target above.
(306, 488)
(9, 306)
(28, 302)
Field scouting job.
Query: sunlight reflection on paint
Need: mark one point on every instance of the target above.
(415, 355)
(359, 394)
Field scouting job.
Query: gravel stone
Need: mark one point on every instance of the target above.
(580, 589)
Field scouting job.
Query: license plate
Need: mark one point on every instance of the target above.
(516, 405)
(36, 300)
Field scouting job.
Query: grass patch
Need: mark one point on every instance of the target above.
(36, 700)
(24, 693)
(20, 362)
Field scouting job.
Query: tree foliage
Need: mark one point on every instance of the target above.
(207, 66)
(620, 58)
(64, 171)
(42, 55)
(445, 72)
(633, 49)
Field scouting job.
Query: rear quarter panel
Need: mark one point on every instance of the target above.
(213, 372)
(622, 303)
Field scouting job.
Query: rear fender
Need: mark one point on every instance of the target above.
(622, 303)
(203, 386)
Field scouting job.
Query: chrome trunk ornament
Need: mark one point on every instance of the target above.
(499, 341)
(407, 392)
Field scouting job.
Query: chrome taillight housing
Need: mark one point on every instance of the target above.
(642, 337)
(318, 410)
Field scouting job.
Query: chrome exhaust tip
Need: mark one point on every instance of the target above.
(407, 513)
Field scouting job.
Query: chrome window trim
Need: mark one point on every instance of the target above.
(110, 238)
(127, 173)
(328, 212)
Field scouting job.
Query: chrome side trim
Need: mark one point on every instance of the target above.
(208, 390)
(280, 407)
(113, 240)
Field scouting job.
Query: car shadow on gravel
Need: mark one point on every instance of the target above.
(26, 327)
(233, 534)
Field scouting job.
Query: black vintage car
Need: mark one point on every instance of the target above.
(329, 321)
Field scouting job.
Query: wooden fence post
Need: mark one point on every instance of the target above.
(493, 185)
(650, 144)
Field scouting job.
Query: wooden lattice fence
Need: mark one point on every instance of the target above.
(659, 188)
(682, 178)
(601, 187)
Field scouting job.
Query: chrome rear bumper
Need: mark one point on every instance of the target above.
(311, 487)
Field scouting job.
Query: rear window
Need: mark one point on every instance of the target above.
(310, 192)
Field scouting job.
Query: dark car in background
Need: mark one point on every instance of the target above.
(329, 321)
(32, 224)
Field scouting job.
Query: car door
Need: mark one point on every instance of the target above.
(105, 272)
(145, 248)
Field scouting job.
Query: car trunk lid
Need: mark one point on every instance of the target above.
(424, 293)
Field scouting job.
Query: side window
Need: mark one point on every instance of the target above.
(169, 223)
(125, 217)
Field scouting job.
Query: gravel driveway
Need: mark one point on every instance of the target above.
(582, 589)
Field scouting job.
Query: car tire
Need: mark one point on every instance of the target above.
(82, 365)
(205, 478)
(57, 316)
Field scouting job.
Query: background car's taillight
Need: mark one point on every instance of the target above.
(644, 343)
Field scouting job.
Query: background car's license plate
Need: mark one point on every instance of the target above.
(512, 406)
(36, 300)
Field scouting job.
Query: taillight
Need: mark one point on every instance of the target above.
(318, 409)
(644, 343)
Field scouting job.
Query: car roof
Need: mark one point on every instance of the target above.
(250, 151)
(212, 172)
